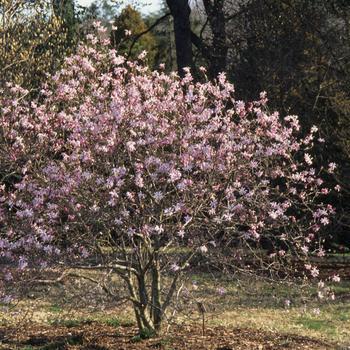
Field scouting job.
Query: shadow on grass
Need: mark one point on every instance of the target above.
(49, 343)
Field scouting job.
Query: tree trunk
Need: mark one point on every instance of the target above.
(180, 10)
(216, 17)
(156, 307)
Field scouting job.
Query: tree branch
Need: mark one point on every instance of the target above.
(198, 43)
(138, 36)
(172, 288)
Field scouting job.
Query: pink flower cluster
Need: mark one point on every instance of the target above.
(111, 152)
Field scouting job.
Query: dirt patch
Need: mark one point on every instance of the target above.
(95, 335)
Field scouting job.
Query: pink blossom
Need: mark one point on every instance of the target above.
(308, 159)
(181, 233)
(321, 253)
(139, 181)
(335, 278)
(175, 267)
(316, 311)
(324, 221)
(314, 272)
(174, 175)
(304, 249)
(332, 167)
(203, 249)
(130, 145)
(324, 191)
(221, 291)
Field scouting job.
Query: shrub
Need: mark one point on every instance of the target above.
(122, 163)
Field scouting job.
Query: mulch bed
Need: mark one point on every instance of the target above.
(97, 336)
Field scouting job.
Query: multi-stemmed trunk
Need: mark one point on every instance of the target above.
(146, 297)
(151, 299)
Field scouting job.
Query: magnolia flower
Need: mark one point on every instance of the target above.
(314, 129)
(8, 276)
(203, 249)
(316, 311)
(142, 55)
(131, 146)
(174, 175)
(332, 167)
(181, 233)
(321, 252)
(221, 290)
(273, 214)
(158, 196)
(320, 284)
(324, 221)
(174, 267)
(336, 278)
(22, 263)
(304, 249)
(308, 159)
(314, 272)
(158, 229)
(139, 181)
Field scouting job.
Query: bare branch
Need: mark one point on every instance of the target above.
(138, 36)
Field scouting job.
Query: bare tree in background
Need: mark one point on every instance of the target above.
(180, 10)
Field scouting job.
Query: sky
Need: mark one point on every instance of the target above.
(146, 6)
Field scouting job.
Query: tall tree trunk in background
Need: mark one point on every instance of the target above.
(180, 10)
(216, 17)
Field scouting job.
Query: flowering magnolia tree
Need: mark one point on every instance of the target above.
(119, 165)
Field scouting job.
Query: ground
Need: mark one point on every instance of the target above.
(93, 335)
(252, 314)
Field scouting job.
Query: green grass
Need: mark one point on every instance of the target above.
(70, 323)
(343, 317)
(113, 322)
(117, 321)
(144, 334)
(55, 308)
(314, 324)
(341, 288)
(56, 345)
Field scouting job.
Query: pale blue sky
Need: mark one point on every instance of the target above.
(145, 6)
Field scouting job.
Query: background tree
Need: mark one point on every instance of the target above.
(34, 40)
(180, 11)
(129, 24)
(163, 35)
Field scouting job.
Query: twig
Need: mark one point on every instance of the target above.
(138, 36)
